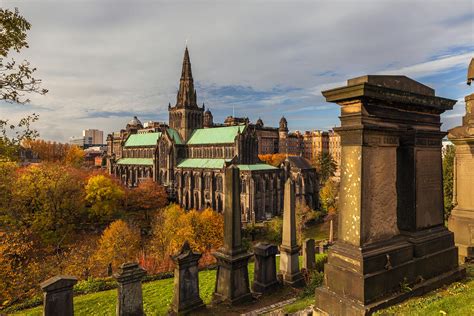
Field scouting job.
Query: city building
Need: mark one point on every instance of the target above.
(188, 156)
(93, 137)
(335, 150)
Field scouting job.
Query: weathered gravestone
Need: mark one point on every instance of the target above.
(129, 298)
(265, 277)
(391, 227)
(232, 283)
(58, 295)
(309, 259)
(289, 249)
(186, 281)
(461, 221)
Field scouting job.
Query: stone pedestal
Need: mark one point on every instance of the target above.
(232, 282)
(186, 282)
(461, 221)
(129, 296)
(289, 249)
(58, 295)
(265, 278)
(390, 229)
(309, 259)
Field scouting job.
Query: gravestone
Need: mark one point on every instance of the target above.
(265, 277)
(129, 297)
(289, 249)
(390, 226)
(232, 282)
(309, 259)
(461, 221)
(58, 295)
(186, 281)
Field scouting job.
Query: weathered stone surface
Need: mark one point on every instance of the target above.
(232, 282)
(289, 249)
(265, 278)
(390, 217)
(58, 295)
(331, 232)
(186, 281)
(309, 259)
(129, 291)
(461, 221)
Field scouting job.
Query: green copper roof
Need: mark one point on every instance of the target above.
(145, 139)
(175, 136)
(256, 167)
(215, 135)
(136, 161)
(202, 163)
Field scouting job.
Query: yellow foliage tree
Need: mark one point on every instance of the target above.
(104, 196)
(74, 156)
(118, 244)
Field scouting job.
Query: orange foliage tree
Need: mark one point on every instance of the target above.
(74, 156)
(273, 159)
(118, 244)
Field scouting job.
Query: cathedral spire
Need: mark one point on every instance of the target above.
(186, 94)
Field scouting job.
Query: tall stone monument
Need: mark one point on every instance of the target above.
(58, 295)
(129, 298)
(391, 228)
(461, 221)
(289, 249)
(232, 283)
(186, 281)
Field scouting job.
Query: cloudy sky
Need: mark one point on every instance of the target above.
(106, 61)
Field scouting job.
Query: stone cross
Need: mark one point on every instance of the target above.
(265, 277)
(129, 298)
(186, 281)
(309, 260)
(289, 250)
(58, 295)
(232, 282)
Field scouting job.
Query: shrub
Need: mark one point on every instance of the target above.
(274, 229)
(315, 280)
(321, 259)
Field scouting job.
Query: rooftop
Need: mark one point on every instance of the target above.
(215, 135)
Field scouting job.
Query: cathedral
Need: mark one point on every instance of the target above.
(189, 154)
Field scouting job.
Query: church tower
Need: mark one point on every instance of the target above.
(186, 115)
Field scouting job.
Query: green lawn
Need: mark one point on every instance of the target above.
(157, 297)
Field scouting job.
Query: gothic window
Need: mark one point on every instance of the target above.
(218, 183)
(207, 182)
(243, 186)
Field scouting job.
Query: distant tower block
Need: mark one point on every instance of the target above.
(391, 226)
(461, 221)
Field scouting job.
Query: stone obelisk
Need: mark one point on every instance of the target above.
(289, 249)
(232, 283)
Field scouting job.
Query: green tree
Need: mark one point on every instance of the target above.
(325, 166)
(448, 176)
(16, 80)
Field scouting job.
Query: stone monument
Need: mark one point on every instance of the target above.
(331, 232)
(58, 295)
(289, 250)
(309, 253)
(186, 281)
(265, 277)
(461, 221)
(232, 282)
(391, 227)
(129, 298)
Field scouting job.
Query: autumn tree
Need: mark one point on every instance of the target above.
(74, 156)
(326, 166)
(273, 159)
(104, 197)
(328, 197)
(118, 244)
(49, 200)
(16, 80)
